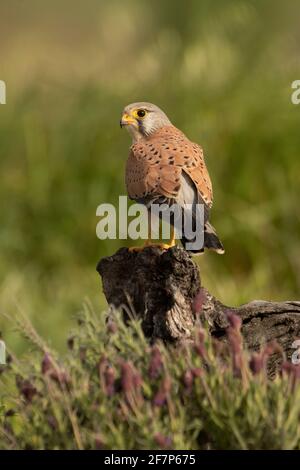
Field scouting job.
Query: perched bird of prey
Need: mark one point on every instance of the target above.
(164, 166)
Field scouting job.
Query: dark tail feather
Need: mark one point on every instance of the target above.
(211, 241)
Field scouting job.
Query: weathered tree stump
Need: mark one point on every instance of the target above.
(164, 289)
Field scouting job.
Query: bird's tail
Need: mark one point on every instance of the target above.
(211, 241)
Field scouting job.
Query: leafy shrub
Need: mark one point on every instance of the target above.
(114, 390)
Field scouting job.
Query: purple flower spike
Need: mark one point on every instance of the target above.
(156, 363)
(164, 442)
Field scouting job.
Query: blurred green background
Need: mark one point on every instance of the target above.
(221, 70)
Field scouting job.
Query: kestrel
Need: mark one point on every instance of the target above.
(164, 166)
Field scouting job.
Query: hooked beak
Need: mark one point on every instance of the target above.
(127, 120)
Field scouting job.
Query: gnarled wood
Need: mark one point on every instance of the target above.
(164, 289)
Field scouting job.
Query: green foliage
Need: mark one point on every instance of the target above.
(115, 391)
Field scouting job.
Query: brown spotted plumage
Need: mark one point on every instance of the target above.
(164, 165)
(155, 164)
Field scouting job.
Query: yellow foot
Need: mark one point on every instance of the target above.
(136, 248)
(164, 246)
(161, 246)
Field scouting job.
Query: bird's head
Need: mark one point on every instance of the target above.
(142, 119)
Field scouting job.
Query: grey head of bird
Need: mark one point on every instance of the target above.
(143, 119)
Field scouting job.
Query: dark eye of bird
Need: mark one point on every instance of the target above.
(141, 113)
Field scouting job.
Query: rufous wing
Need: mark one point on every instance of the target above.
(155, 164)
